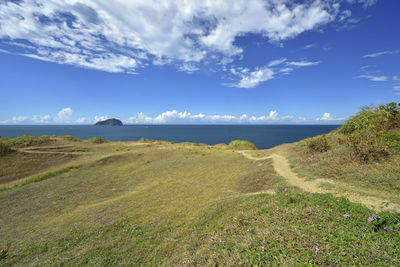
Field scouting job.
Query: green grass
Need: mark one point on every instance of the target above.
(290, 228)
(242, 145)
(97, 140)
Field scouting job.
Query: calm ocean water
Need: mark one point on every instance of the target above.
(263, 136)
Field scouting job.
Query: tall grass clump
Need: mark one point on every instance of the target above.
(374, 132)
(242, 145)
(71, 138)
(4, 149)
(318, 144)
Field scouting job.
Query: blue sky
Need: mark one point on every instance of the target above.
(233, 61)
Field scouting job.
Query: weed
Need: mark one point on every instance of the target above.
(318, 144)
(5, 149)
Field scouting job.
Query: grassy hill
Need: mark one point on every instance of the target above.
(65, 201)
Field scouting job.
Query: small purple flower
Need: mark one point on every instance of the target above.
(377, 216)
(316, 249)
(371, 218)
(212, 238)
(220, 241)
(385, 228)
(346, 215)
(391, 229)
(277, 207)
(337, 200)
(248, 230)
(220, 234)
(370, 256)
(285, 189)
(262, 248)
(395, 211)
(325, 200)
(365, 229)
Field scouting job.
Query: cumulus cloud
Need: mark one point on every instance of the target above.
(327, 117)
(123, 36)
(63, 115)
(41, 119)
(375, 78)
(100, 118)
(174, 116)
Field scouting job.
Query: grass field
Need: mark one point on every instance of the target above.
(68, 202)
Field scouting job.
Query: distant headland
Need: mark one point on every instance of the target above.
(109, 122)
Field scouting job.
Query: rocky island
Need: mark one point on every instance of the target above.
(109, 122)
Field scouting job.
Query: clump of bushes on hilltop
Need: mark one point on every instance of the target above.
(242, 145)
(372, 134)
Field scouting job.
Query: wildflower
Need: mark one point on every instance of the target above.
(391, 229)
(248, 230)
(385, 228)
(285, 189)
(325, 200)
(212, 238)
(371, 218)
(395, 211)
(370, 256)
(220, 241)
(262, 248)
(346, 215)
(337, 200)
(220, 234)
(377, 216)
(316, 249)
(365, 229)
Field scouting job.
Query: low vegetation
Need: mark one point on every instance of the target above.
(97, 140)
(151, 203)
(242, 145)
(5, 149)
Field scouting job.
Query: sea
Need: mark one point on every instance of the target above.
(263, 136)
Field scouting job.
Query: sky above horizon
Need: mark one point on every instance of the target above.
(232, 61)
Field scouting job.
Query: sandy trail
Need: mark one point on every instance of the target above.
(282, 167)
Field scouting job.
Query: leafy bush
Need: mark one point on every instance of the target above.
(4, 149)
(97, 140)
(318, 144)
(368, 146)
(377, 119)
(242, 145)
(71, 138)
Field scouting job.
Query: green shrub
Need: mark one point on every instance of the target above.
(377, 119)
(4, 149)
(4, 252)
(97, 140)
(242, 145)
(26, 140)
(71, 138)
(368, 146)
(318, 144)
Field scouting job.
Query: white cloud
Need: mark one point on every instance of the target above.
(387, 52)
(375, 78)
(174, 116)
(41, 119)
(276, 62)
(303, 63)
(81, 120)
(344, 15)
(397, 87)
(63, 115)
(100, 118)
(309, 46)
(122, 36)
(368, 3)
(327, 117)
(396, 78)
(254, 78)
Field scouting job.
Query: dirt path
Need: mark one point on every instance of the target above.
(282, 167)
